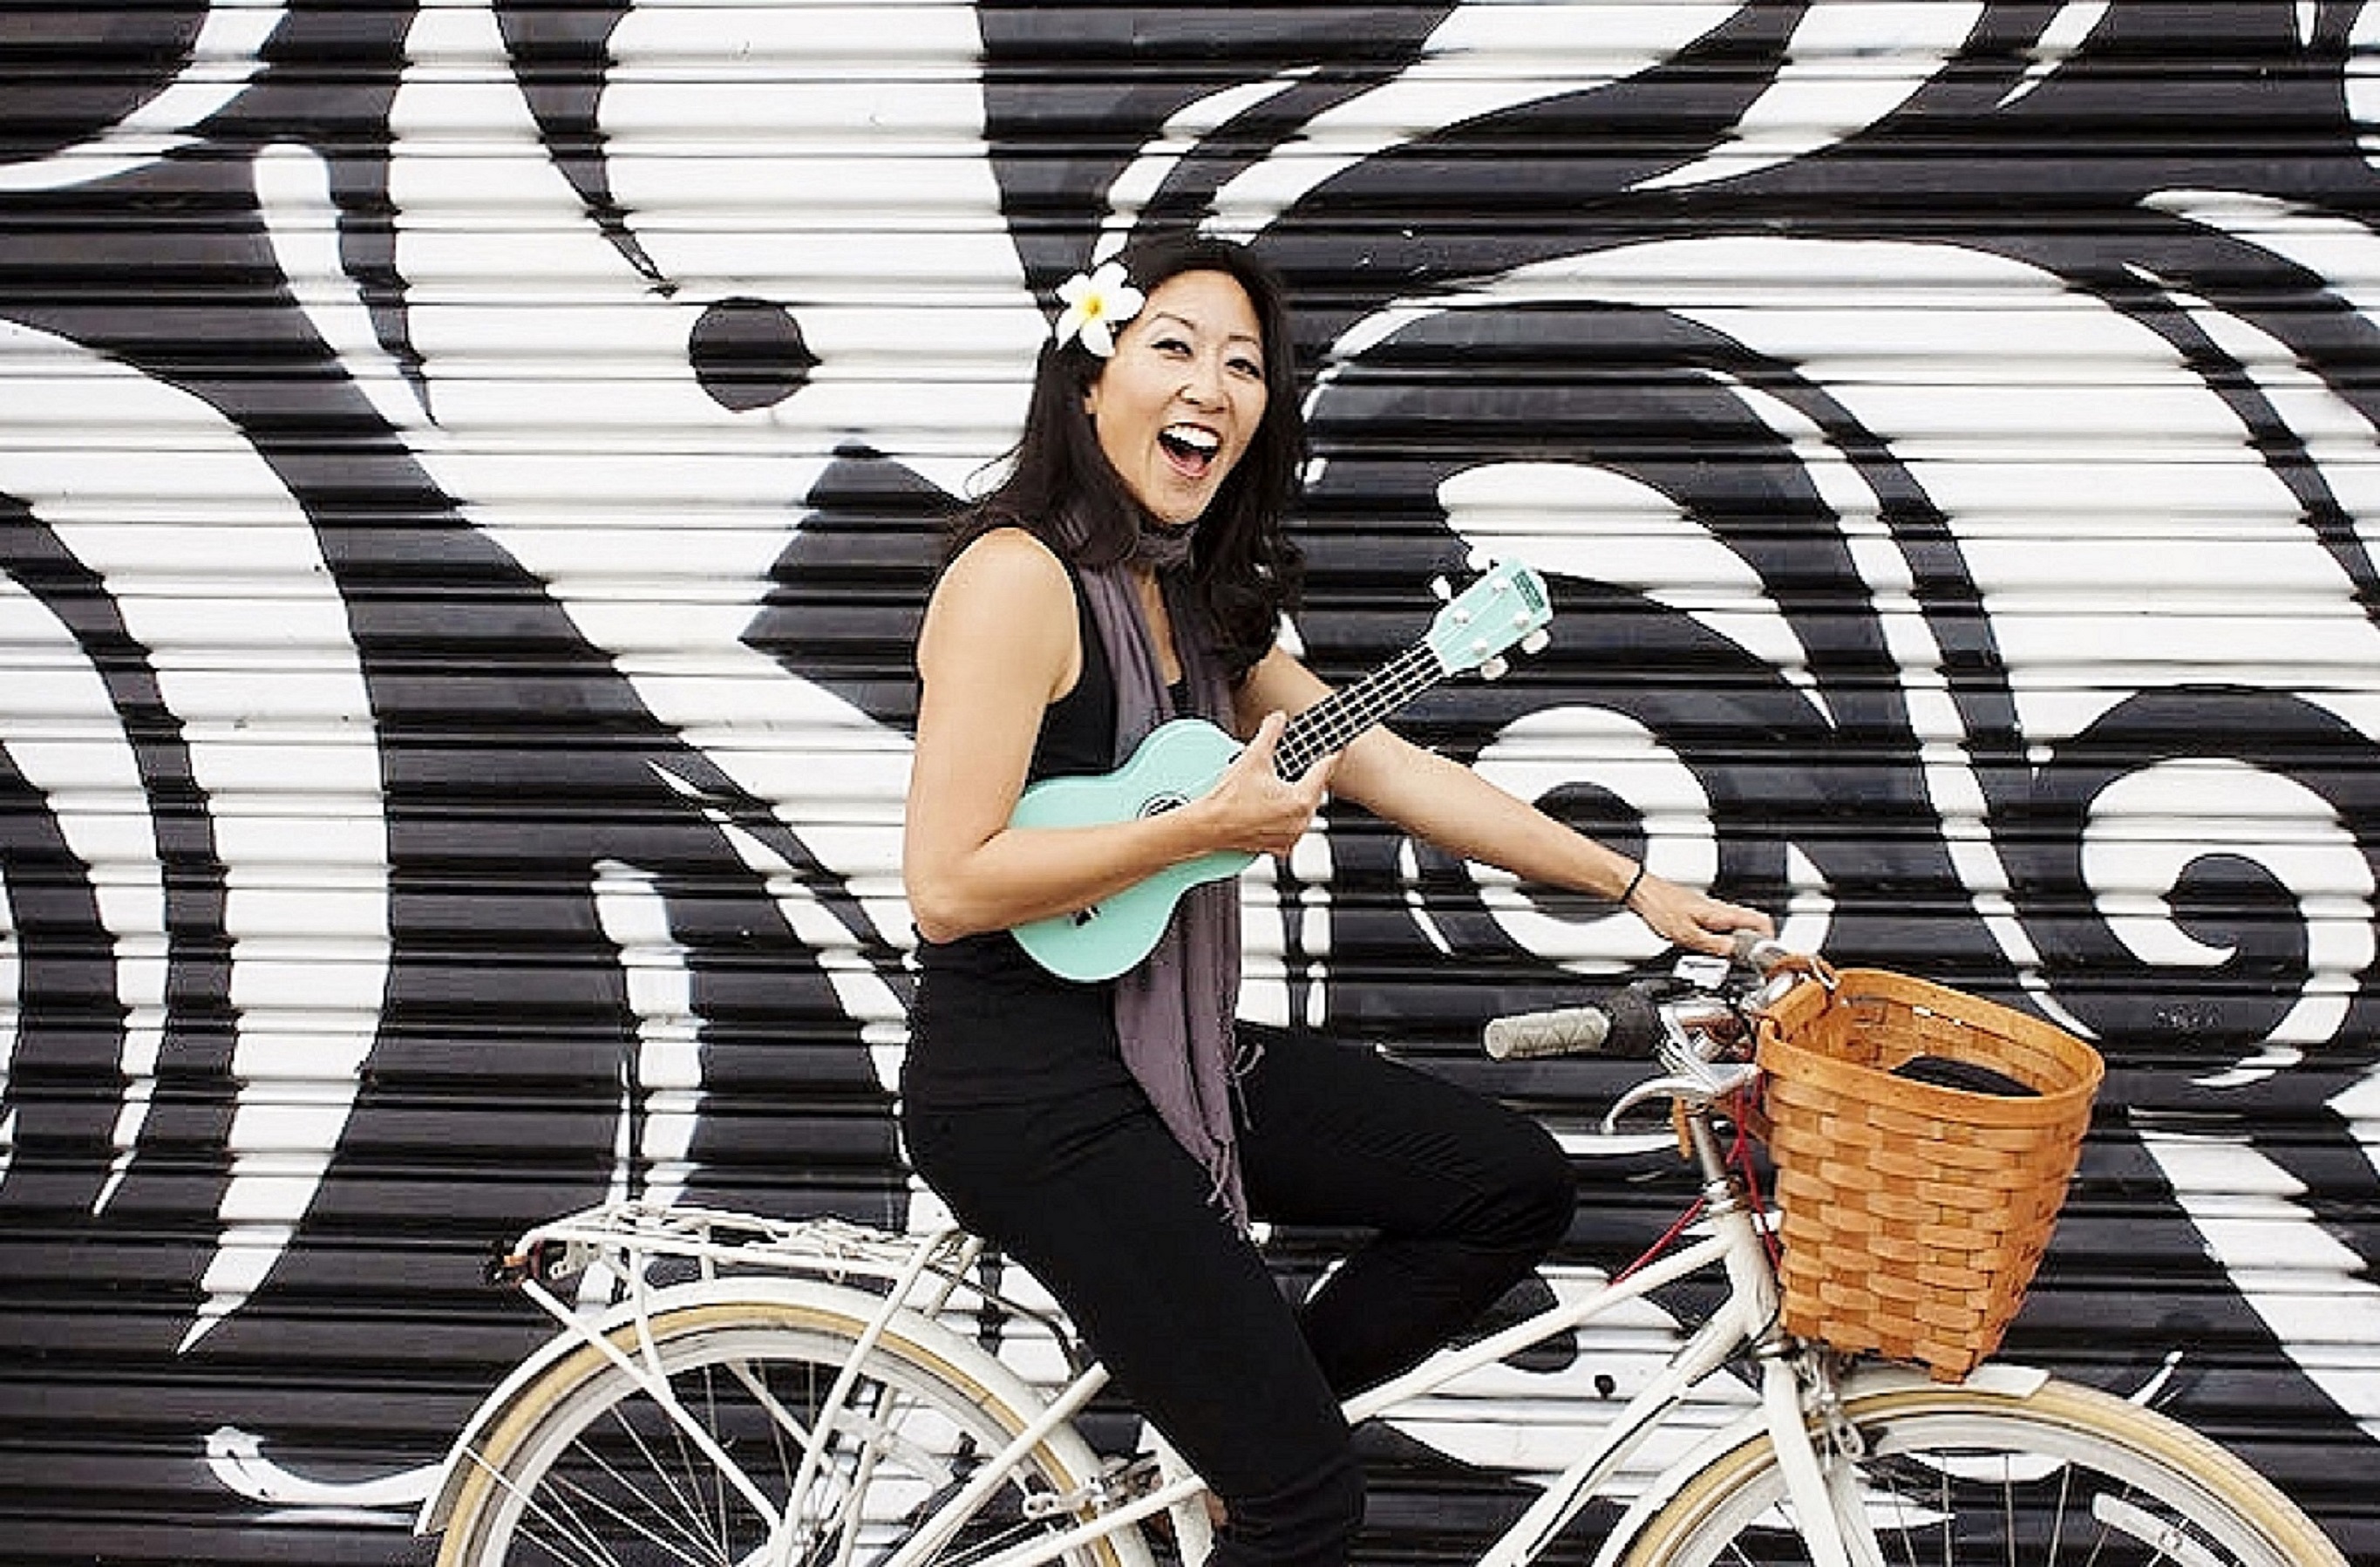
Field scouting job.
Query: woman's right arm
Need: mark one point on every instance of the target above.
(998, 645)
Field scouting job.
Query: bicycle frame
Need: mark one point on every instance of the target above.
(913, 1399)
(922, 1275)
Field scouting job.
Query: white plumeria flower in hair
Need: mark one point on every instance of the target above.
(1096, 305)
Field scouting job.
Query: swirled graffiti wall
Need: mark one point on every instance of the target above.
(469, 476)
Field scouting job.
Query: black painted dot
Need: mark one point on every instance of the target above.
(749, 354)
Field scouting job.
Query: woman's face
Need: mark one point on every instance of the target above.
(1177, 405)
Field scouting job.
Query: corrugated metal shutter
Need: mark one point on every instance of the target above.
(468, 478)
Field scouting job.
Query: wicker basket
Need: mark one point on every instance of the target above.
(1915, 1214)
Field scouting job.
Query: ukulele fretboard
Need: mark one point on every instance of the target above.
(1328, 724)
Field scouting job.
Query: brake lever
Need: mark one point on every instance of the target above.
(1706, 1086)
(1691, 1075)
(1712, 1017)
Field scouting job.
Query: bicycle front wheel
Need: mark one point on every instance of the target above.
(1959, 1477)
(588, 1467)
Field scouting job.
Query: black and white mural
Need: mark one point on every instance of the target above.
(470, 474)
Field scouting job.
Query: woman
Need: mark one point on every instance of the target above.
(1117, 1138)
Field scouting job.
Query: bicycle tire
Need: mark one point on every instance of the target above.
(584, 1467)
(1959, 1477)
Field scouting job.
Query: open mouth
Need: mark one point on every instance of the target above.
(1189, 448)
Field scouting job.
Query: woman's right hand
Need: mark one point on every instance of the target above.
(1252, 809)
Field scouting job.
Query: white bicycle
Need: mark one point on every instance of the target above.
(818, 1394)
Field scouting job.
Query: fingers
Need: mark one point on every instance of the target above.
(1268, 732)
(1735, 916)
(1256, 757)
(1259, 810)
(1720, 938)
(1694, 919)
(1312, 783)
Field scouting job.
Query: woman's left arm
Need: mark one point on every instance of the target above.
(1449, 805)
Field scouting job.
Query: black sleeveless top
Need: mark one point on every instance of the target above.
(990, 1026)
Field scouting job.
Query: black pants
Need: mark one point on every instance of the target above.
(1116, 1220)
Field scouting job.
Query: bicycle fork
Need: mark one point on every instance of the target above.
(1797, 1384)
(1821, 1475)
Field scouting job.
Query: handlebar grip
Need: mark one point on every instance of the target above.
(1565, 1031)
(1625, 1024)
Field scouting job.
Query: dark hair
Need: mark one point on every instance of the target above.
(1060, 486)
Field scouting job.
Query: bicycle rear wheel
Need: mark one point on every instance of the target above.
(1959, 1477)
(588, 1467)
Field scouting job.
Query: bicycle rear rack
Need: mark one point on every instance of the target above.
(936, 1272)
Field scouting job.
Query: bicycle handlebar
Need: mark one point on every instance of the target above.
(1626, 1023)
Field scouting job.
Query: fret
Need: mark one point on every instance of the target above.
(1340, 717)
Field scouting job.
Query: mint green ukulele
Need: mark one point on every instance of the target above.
(1182, 760)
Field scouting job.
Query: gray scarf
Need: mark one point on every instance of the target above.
(1173, 1010)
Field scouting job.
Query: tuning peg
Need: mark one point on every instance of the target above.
(1440, 588)
(1493, 669)
(1535, 642)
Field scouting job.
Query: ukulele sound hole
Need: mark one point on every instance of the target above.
(1158, 804)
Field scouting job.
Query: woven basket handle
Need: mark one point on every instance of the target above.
(1810, 964)
(1811, 968)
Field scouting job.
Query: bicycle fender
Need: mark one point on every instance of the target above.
(1865, 1381)
(1005, 1385)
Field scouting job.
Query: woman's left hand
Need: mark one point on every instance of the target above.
(1694, 919)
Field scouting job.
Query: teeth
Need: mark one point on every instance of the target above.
(1192, 436)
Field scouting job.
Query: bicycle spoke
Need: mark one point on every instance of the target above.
(1958, 1478)
(2008, 1522)
(683, 1509)
(598, 1472)
(555, 1506)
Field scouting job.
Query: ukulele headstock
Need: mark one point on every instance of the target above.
(1507, 606)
